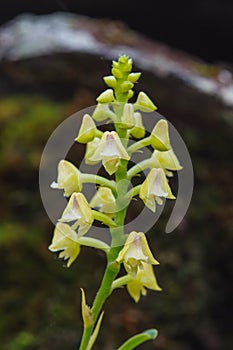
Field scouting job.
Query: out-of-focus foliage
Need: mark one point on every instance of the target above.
(40, 298)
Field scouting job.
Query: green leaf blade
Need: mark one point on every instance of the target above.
(138, 339)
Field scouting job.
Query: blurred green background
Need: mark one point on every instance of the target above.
(40, 298)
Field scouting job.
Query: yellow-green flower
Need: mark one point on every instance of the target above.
(78, 210)
(103, 112)
(144, 103)
(68, 178)
(65, 239)
(154, 187)
(110, 150)
(145, 278)
(104, 200)
(165, 160)
(87, 130)
(135, 251)
(160, 137)
(90, 150)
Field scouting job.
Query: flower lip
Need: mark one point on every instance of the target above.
(145, 278)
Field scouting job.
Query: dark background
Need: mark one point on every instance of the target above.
(201, 27)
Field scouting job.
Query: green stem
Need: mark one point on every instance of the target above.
(117, 233)
(103, 218)
(112, 269)
(144, 164)
(133, 192)
(121, 281)
(140, 144)
(96, 179)
(94, 243)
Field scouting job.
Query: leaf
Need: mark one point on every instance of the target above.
(138, 339)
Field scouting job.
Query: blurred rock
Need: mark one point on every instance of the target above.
(63, 51)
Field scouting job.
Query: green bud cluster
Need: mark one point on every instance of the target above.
(122, 80)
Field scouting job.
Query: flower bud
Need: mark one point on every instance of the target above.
(86, 312)
(125, 64)
(130, 94)
(106, 96)
(110, 81)
(126, 86)
(134, 77)
(117, 73)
